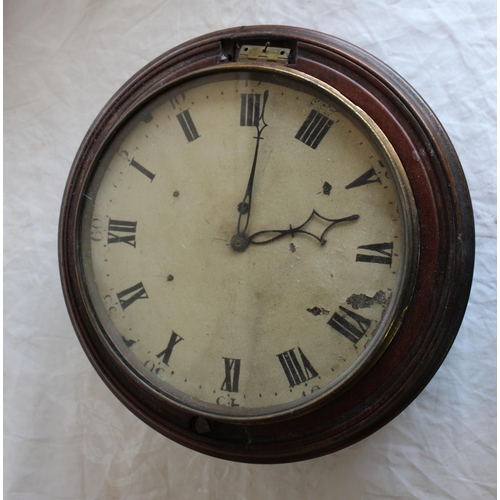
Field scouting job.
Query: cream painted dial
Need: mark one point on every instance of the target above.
(247, 243)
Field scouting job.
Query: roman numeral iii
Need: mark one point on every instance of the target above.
(297, 369)
(378, 253)
(314, 129)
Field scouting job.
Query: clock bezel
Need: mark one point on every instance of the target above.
(391, 317)
(443, 277)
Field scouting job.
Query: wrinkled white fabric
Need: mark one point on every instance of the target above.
(65, 435)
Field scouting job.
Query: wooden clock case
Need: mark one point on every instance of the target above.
(444, 272)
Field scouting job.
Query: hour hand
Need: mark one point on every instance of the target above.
(267, 236)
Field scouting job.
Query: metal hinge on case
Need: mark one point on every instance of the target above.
(264, 53)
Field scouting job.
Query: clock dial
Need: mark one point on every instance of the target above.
(247, 242)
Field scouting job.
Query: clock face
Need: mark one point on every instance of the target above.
(247, 243)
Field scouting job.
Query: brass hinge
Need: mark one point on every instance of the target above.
(265, 53)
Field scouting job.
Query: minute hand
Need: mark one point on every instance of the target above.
(245, 206)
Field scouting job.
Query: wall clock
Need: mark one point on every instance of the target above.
(266, 244)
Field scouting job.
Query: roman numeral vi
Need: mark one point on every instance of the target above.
(232, 372)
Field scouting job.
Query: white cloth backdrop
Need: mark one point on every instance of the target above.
(65, 434)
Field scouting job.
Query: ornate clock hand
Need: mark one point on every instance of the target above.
(255, 238)
(239, 241)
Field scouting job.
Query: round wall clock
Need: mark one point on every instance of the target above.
(266, 244)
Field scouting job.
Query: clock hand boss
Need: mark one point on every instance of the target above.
(239, 241)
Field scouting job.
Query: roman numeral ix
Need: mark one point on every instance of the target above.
(121, 226)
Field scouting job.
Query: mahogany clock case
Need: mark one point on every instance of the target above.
(443, 274)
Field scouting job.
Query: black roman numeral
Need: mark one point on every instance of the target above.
(382, 253)
(142, 170)
(188, 126)
(130, 295)
(250, 110)
(122, 226)
(296, 371)
(174, 340)
(314, 129)
(232, 374)
(369, 177)
(352, 329)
